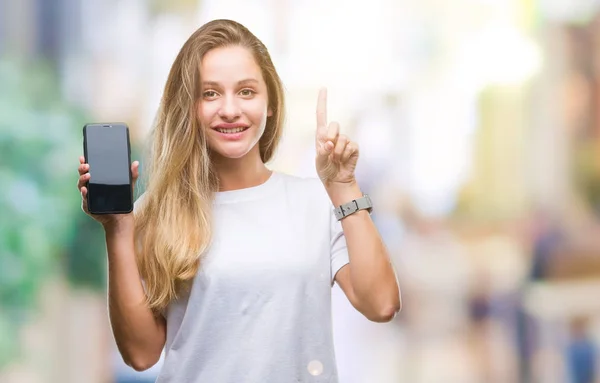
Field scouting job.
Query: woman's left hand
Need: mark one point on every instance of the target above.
(336, 154)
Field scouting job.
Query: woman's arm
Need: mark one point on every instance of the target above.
(139, 333)
(369, 280)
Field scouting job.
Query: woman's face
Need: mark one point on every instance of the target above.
(234, 103)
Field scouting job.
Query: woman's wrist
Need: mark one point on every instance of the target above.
(119, 226)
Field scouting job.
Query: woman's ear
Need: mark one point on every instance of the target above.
(269, 112)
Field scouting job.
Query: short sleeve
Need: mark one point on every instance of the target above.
(339, 250)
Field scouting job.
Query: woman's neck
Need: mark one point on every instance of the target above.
(241, 173)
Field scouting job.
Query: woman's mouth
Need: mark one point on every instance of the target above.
(231, 130)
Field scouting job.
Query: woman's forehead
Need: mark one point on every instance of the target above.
(229, 63)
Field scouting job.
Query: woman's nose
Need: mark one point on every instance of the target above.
(230, 108)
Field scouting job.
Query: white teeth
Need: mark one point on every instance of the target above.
(230, 131)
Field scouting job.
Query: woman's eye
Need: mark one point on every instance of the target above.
(246, 92)
(210, 93)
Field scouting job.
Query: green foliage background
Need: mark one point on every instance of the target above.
(43, 232)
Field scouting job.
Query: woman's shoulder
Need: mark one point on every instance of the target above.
(139, 201)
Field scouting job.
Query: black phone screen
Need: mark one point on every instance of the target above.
(107, 151)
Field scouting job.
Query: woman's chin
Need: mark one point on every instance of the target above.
(232, 151)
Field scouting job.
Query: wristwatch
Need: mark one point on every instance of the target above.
(362, 203)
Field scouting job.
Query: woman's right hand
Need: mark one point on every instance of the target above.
(84, 177)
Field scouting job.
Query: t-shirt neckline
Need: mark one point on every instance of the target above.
(248, 194)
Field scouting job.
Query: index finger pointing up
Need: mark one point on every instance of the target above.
(322, 109)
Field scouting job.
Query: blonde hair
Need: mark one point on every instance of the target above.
(173, 223)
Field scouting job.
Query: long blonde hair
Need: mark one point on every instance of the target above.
(173, 221)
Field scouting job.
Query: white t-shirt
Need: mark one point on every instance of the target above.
(259, 310)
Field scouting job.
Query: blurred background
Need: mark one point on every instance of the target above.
(479, 127)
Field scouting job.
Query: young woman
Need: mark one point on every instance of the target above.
(227, 265)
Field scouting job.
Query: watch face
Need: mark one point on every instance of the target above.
(362, 203)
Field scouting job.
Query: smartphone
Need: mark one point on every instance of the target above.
(107, 150)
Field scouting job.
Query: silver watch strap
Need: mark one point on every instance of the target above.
(362, 203)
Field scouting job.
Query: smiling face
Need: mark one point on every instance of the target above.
(234, 102)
